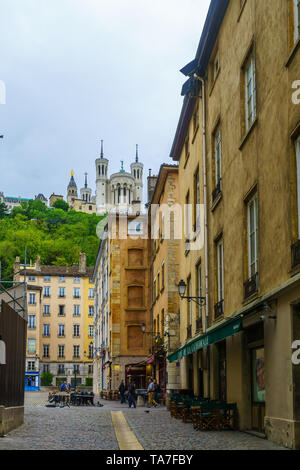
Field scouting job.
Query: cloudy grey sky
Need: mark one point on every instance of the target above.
(78, 71)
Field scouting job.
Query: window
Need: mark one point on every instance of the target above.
(47, 279)
(61, 369)
(250, 92)
(297, 20)
(76, 279)
(31, 278)
(298, 181)
(220, 270)
(46, 309)
(91, 369)
(76, 292)
(91, 293)
(31, 299)
(61, 310)
(61, 330)
(158, 284)
(46, 291)
(189, 303)
(216, 65)
(76, 311)
(76, 351)
(196, 200)
(91, 331)
(76, 369)
(31, 321)
(62, 279)
(199, 292)
(31, 346)
(76, 330)
(46, 329)
(187, 216)
(46, 367)
(162, 322)
(218, 156)
(31, 366)
(252, 235)
(196, 118)
(62, 292)
(187, 148)
(46, 349)
(163, 275)
(91, 311)
(154, 291)
(91, 352)
(61, 351)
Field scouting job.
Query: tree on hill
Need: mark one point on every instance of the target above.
(61, 204)
(3, 210)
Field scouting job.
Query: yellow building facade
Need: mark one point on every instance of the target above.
(60, 302)
(243, 82)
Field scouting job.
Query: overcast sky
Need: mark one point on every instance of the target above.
(78, 71)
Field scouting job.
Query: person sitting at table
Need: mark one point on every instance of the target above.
(63, 387)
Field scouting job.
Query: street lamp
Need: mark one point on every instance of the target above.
(182, 290)
(143, 328)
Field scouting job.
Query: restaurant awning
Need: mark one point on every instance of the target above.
(215, 335)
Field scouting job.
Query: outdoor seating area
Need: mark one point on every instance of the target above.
(71, 398)
(112, 395)
(204, 414)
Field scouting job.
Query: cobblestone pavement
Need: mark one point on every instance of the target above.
(91, 428)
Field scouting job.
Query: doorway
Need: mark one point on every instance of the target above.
(258, 396)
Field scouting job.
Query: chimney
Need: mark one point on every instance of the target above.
(17, 269)
(82, 263)
(151, 186)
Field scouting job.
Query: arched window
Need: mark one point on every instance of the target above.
(134, 173)
(138, 174)
(119, 194)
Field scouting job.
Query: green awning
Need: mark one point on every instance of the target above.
(217, 334)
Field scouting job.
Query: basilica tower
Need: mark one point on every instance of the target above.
(101, 182)
(137, 172)
(72, 192)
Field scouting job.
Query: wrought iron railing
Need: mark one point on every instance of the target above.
(251, 286)
(217, 190)
(219, 309)
(296, 254)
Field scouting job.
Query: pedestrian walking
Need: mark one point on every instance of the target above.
(156, 392)
(131, 395)
(122, 392)
(150, 390)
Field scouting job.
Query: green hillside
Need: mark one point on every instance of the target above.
(57, 235)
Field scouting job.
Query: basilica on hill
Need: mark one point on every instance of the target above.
(119, 192)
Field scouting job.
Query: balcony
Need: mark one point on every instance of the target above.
(199, 324)
(251, 286)
(217, 191)
(189, 332)
(219, 309)
(296, 254)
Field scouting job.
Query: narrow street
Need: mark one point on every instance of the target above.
(97, 428)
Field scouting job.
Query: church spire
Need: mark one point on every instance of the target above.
(86, 183)
(137, 154)
(102, 153)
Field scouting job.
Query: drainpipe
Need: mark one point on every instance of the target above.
(205, 218)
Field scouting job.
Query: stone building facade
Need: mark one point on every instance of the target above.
(249, 126)
(165, 278)
(122, 280)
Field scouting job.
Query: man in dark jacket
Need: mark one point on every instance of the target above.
(131, 395)
(122, 392)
